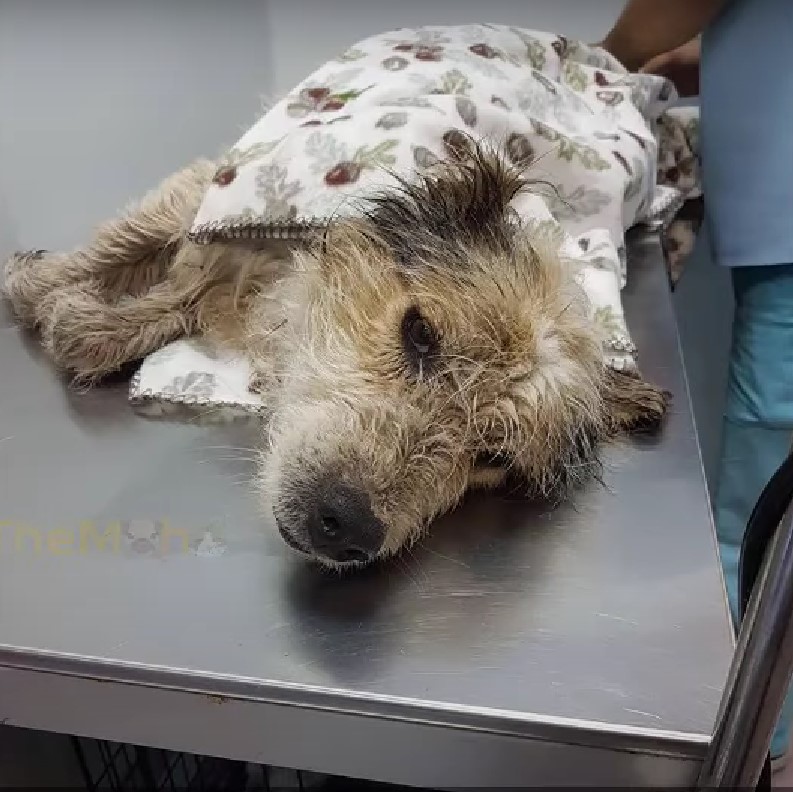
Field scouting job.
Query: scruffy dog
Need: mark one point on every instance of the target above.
(393, 387)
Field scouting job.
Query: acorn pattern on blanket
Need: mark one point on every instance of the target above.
(567, 114)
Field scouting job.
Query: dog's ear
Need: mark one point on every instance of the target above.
(631, 404)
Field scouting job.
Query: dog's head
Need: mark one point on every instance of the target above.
(435, 346)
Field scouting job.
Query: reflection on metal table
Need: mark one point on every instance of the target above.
(145, 598)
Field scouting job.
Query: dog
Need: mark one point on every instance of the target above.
(391, 390)
(429, 346)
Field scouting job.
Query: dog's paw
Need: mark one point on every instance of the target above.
(22, 257)
(633, 404)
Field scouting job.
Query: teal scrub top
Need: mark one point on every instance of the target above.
(746, 99)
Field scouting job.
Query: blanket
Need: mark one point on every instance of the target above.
(603, 148)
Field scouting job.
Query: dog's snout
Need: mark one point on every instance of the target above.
(342, 525)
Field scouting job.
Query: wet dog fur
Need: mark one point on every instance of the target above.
(431, 346)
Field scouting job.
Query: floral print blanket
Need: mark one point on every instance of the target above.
(566, 113)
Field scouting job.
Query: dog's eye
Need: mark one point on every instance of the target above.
(418, 337)
(421, 335)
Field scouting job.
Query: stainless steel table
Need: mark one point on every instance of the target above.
(144, 598)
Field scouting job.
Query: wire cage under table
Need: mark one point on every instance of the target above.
(119, 767)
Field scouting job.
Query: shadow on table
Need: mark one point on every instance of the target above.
(450, 590)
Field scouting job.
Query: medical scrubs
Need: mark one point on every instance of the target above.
(746, 88)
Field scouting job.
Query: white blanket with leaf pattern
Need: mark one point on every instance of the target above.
(567, 113)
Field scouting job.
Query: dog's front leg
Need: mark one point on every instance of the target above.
(127, 255)
(90, 338)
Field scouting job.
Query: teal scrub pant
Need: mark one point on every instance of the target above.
(758, 420)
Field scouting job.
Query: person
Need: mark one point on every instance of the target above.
(737, 55)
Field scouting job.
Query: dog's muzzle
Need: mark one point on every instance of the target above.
(336, 523)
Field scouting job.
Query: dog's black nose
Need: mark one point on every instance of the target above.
(343, 526)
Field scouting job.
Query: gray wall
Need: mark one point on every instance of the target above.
(102, 98)
(311, 31)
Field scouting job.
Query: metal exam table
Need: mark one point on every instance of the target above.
(144, 598)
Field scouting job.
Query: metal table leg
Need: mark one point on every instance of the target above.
(760, 673)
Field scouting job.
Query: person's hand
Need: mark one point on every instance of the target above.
(680, 66)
